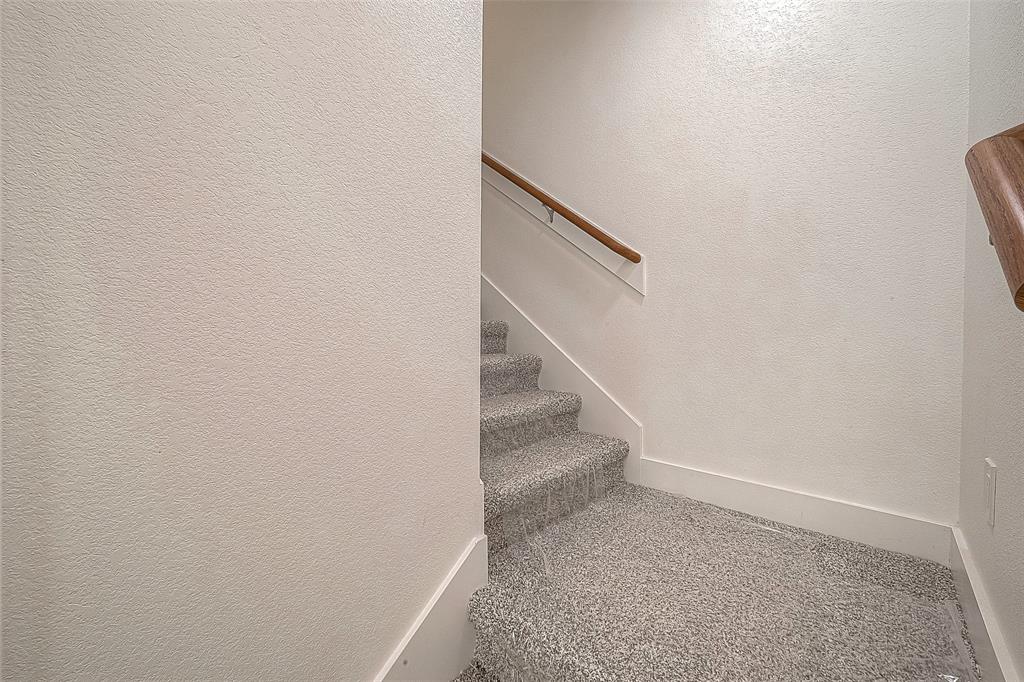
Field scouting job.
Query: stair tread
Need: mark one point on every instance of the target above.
(509, 409)
(511, 478)
(499, 362)
(642, 584)
(508, 373)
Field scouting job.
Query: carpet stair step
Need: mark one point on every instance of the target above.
(513, 478)
(493, 336)
(514, 420)
(508, 373)
(531, 487)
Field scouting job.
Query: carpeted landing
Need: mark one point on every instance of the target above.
(643, 585)
(595, 579)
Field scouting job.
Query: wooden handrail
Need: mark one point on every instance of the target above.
(996, 167)
(561, 209)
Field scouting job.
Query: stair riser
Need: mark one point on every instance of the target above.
(492, 343)
(509, 381)
(526, 433)
(562, 499)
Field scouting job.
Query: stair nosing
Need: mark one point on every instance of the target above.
(604, 451)
(572, 403)
(513, 360)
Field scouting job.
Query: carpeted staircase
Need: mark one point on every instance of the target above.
(535, 463)
(592, 578)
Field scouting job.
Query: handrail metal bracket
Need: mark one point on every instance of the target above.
(551, 213)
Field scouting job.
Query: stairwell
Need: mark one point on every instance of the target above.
(592, 578)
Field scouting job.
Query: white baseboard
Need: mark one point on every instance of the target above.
(990, 645)
(439, 645)
(601, 413)
(875, 527)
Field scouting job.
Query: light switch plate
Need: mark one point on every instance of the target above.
(990, 490)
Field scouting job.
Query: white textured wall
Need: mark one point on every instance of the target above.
(794, 172)
(993, 334)
(240, 333)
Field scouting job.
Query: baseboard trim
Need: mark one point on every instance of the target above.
(875, 527)
(601, 412)
(990, 645)
(439, 644)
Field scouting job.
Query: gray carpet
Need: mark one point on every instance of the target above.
(594, 579)
(474, 673)
(511, 479)
(493, 335)
(643, 585)
(515, 420)
(508, 373)
(529, 488)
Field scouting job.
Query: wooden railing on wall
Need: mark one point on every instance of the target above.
(561, 209)
(996, 167)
